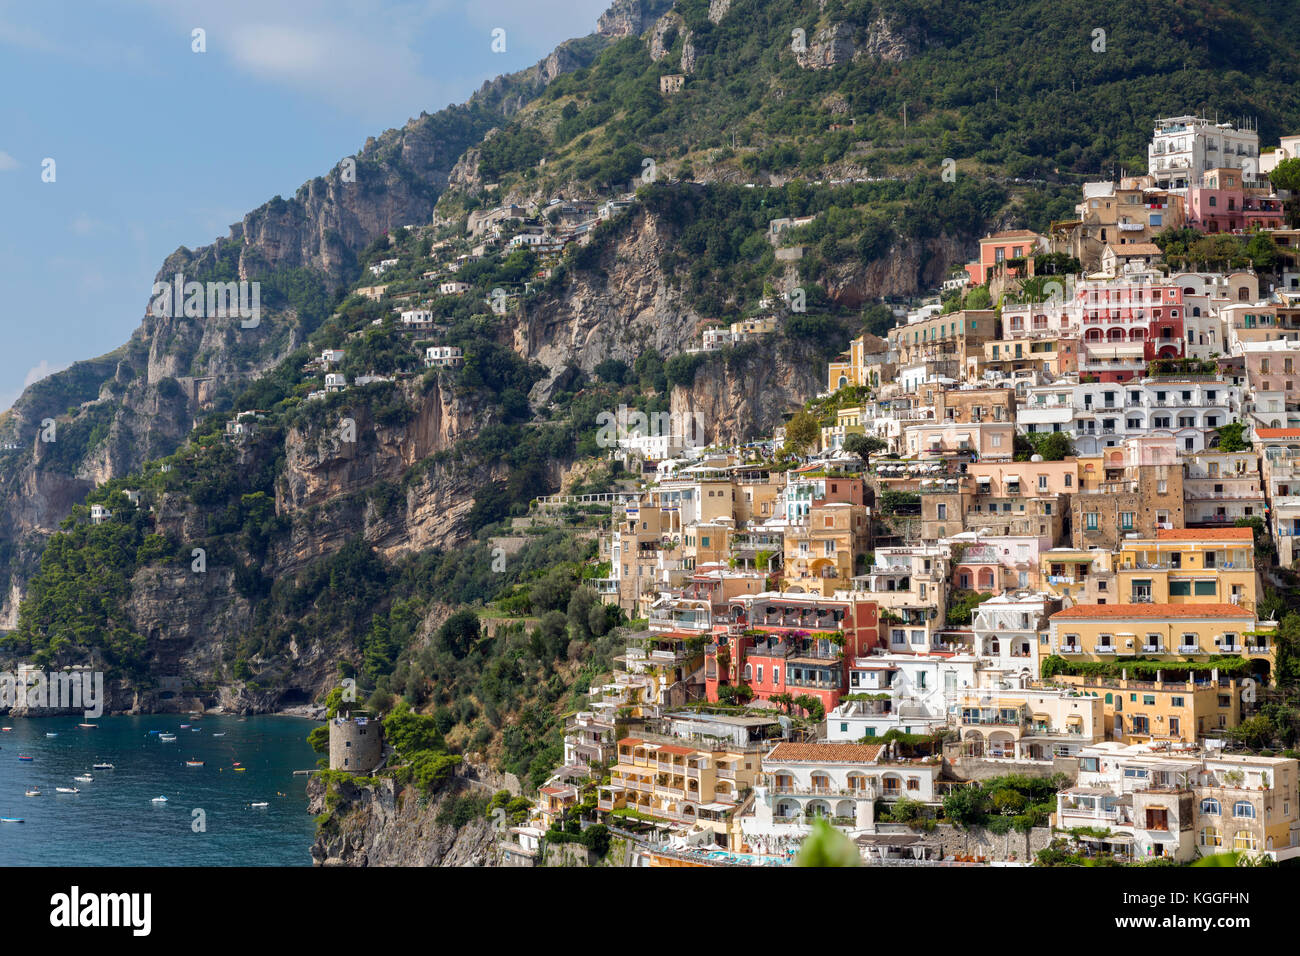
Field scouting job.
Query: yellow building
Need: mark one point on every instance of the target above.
(1113, 632)
(682, 784)
(820, 555)
(1189, 566)
(1078, 575)
(1153, 711)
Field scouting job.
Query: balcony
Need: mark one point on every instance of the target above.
(1071, 649)
(1189, 648)
(1153, 648)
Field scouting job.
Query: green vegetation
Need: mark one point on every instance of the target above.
(962, 604)
(1004, 803)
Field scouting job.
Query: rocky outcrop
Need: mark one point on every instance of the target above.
(388, 825)
(908, 268)
(718, 9)
(630, 18)
(617, 307)
(744, 394)
(843, 42)
(666, 31)
(828, 48)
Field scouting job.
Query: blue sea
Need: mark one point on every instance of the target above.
(113, 821)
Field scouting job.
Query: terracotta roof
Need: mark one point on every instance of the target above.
(1205, 534)
(674, 749)
(1086, 611)
(1277, 432)
(825, 753)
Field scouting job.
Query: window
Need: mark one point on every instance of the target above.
(1206, 588)
(1244, 840)
(1180, 588)
(760, 673)
(1210, 836)
(1243, 809)
(1091, 521)
(1126, 520)
(1175, 702)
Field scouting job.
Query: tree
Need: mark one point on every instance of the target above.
(1286, 175)
(459, 633)
(801, 432)
(978, 298)
(1232, 437)
(1053, 446)
(864, 446)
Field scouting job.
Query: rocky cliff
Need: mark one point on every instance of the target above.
(389, 825)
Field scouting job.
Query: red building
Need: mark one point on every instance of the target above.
(792, 644)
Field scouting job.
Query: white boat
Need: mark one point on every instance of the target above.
(51, 735)
(103, 766)
(34, 792)
(11, 819)
(158, 800)
(84, 778)
(261, 804)
(167, 738)
(67, 790)
(222, 734)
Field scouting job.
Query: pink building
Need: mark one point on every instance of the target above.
(997, 248)
(1221, 203)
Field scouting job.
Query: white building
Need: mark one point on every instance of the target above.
(1007, 631)
(417, 318)
(453, 288)
(335, 382)
(331, 357)
(1103, 414)
(443, 356)
(383, 266)
(1184, 148)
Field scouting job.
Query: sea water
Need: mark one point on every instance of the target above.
(207, 819)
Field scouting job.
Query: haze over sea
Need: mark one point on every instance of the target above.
(112, 821)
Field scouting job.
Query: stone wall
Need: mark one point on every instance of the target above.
(979, 841)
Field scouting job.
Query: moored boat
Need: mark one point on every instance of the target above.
(194, 763)
(11, 819)
(84, 778)
(158, 800)
(34, 792)
(25, 757)
(51, 735)
(260, 804)
(167, 738)
(102, 766)
(67, 790)
(88, 726)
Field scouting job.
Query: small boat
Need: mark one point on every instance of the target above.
(158, 800)
(152, 732)
(103, 766)
(88, 726)
(167, 738)
(240, 769)
(67, 790)
(185, 726)
(84, 778)
(11, 819)
(5, 730)
(34, 792)
(51, 735)
(194, 763)
(222, 734)
(195, 730)
(260, 803)
(22, 757)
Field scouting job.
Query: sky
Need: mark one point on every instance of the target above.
(155, 145)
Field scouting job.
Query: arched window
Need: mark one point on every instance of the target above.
(747, 672)
(1244, 809)
(1245, 840)
(1211, 806)
(1108, 698)
(1210, 836)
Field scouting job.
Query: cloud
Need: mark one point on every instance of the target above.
(7, 162)
(84, 225)
(40, 371)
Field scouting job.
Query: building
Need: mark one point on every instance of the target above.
(443, 356)
(1113, 632)
(1163, 710)
(1027, 724)
(1154, 801)
(356, 744)
(1184, 148)
(1189, 566)
(1002, 246)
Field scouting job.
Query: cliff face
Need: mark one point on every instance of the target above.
(748, 393)
(385, 825)
(140, 401)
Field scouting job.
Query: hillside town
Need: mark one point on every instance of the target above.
(1042, 538)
